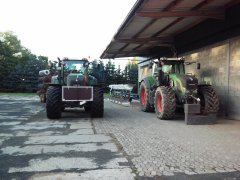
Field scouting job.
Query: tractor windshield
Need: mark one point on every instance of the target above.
(74, 66)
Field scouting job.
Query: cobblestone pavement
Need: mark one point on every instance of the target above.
(172, 149)
(34, 147)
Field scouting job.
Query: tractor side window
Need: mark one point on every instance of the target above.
(174, 69)
(178, 68)
(155, 70)
(181, 68)
(167, 69)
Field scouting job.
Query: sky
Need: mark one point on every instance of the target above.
(64, 28)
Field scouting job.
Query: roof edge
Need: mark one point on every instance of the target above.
(128, 17)
(137, 4)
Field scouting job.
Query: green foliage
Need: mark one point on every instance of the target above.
(117, 76)
(96, 69)
(18, 66)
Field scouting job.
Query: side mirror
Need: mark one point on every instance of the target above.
(198, 66)
(150, 65)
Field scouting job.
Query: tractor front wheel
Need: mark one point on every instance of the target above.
(97, 106)
(208, 99)
(54, 102)
(87, 107)
(165, 102)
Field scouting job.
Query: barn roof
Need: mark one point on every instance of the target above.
(156, 23)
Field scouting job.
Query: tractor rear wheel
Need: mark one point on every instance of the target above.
(144, 98)
(208, 99)
(97, 106)
(54, 102)
(165, 102)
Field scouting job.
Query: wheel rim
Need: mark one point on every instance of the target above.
(159, 103)
(143, 97)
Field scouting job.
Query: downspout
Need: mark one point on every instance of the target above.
(228, 80)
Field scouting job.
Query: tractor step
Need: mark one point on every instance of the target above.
(192, 116)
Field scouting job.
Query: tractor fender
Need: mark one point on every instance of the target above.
(203, 85)
(51, 84)
(149, 81)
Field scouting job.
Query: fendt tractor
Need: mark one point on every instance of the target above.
(73, 86)
(164, 86)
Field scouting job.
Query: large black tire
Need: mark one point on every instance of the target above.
(54, 102)
(208, 99)
(97, 106)
(144, 98)
(87, 107)
(165, 102)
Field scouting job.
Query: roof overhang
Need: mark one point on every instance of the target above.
(153, 25)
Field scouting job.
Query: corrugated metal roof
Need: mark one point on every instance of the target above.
(155, 23)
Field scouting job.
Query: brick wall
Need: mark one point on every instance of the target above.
(220, 67)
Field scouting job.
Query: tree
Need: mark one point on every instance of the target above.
(131, 72)
(110, 72)
(18, 66)
(97, 70)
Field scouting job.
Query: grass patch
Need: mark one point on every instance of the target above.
(106, 94)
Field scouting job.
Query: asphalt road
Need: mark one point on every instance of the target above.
(34, 147)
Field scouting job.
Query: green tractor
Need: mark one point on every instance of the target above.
(73, 86)
(164, 87)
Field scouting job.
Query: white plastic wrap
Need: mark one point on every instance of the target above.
(44, 73)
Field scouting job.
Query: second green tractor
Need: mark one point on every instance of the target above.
(167, 87)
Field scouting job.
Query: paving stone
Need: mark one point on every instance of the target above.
(189, 172)
(165, 146)
(167, 173)
(209, 171)
(229, 170)
(220, 170)
(153, 173)
(161, 168)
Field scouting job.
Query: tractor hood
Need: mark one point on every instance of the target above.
(80, 79)
(184, 82)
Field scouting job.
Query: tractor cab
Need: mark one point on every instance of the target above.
(74, 66)
(163, 69)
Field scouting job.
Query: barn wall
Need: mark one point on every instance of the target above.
(220, 67)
